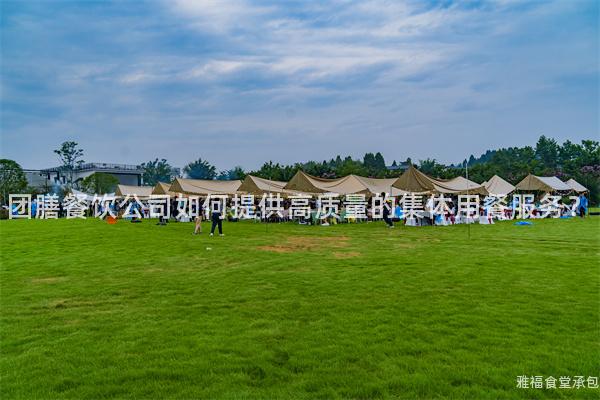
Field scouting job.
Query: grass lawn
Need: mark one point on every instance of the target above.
(91, 310)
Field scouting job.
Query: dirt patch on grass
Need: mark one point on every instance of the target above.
(78, 303)
(346, 254)
(52, 279)
(429, 240)
(276, 249)
(405, 245)
(59, 303)
(306, 243)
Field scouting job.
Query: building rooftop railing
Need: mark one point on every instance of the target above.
(100, 166)
(94, 165)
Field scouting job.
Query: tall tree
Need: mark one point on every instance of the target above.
(433, 168)
(369, 161)
(590, 154)
(546, 151)
(200, 169)
(99, 183)
(12, 179)
(71, 156)
(232, 174)
(156, 171)
(379, 161)
(316, 169)
(350, 166)
(338, 161)
(380, 168)
(272, 171)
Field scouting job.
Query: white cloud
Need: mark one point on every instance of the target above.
(350, 76)
(352, 38)
(215, 15)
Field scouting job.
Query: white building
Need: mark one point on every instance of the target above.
(46, 179)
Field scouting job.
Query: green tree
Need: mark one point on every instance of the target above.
(546, 152)
(71, 156)
(99, 183)
(570, 157)
(316, 169)
(12, 179)
(156, 171)
(432, 168)
(232, 174)
(369, 162)
(380, 167)
(272, 171)
(350, 166)
(200, 169)
(590, 152)
(582, 163)
(338, 161)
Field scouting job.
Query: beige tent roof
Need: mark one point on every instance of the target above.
(306, 183)
(377, 185)
(139, 191)
(497, 185)
(576, 186)
(255, 185)
(414, 181)
(163, 188)
(460, 185)
(351, 184)
(543, 183)
(204, 187)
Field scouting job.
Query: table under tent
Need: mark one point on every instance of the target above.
(416, 182)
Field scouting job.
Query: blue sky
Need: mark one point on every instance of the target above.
(243, 82)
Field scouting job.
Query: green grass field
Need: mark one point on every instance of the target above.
(91, 310)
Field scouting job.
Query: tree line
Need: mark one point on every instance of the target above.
(580, 161)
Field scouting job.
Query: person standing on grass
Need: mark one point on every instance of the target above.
(34, 207)
(198, 227)
(198, 219)
(387, 207)
(216, 218)
(583, 205)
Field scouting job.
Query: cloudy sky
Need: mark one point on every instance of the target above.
(242, 82)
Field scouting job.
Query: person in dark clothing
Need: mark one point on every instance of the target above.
(583, 205)
(174, 210)
(216, 221)
(216, 218)
(387, 207)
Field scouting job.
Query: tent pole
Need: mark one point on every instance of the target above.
(264, 216)
(468, 224)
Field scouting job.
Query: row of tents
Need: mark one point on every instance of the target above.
(412, 181)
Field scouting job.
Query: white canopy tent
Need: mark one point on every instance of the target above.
(576, 186)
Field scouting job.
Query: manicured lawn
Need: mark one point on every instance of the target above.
(91, 310)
